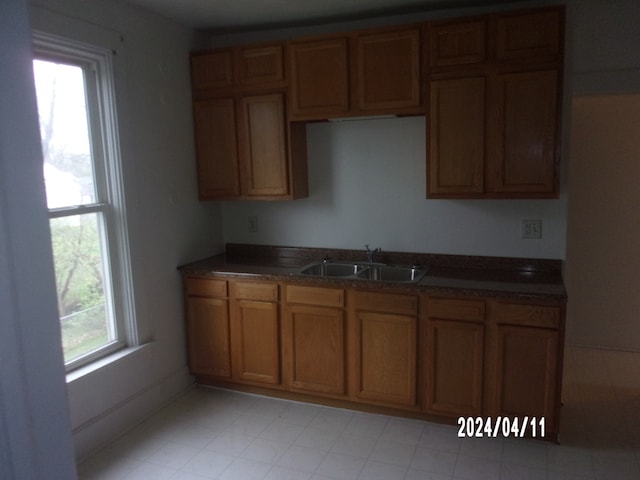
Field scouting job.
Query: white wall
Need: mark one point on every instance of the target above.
(167, 224)
(368, 186)
(603, 260)
(603, 264)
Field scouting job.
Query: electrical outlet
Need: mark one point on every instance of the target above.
(253, 223)
(532, 229)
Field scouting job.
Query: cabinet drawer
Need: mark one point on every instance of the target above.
(386, 302)
(328, 297)
(528, 315)
(456, 309)
(204, 287)
(265, 292)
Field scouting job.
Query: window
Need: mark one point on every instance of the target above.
(74, 88)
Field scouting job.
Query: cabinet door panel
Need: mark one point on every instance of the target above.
(456, 133)
(529, 35)
(216, 148)
(320, 78)
(315, 343)
(388, 75)
(386, 358)
(460, 43)
(261, 65)
(212, 70)
(264, 143)
(454, 367)
(208, 334)
(523, 152)
(526, 371)
(256, 338)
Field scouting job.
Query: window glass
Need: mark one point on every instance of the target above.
(64, 129)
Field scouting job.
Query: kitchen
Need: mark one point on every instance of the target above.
(170, 227)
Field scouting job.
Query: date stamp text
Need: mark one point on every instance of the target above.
(478, 427)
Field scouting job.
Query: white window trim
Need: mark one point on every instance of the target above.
(111, 199)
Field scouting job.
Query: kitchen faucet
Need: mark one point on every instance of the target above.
(371, 253)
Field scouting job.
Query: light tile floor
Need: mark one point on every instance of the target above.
(223, 435)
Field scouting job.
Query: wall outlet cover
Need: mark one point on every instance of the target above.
(532, 229)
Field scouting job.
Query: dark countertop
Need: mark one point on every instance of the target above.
(532, 279)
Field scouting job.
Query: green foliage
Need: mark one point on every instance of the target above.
(78, 263)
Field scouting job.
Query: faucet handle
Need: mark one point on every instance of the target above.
(371, 253)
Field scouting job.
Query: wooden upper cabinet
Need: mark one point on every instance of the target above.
(238, 68)
(495, 116)
(212, 70)
(261, 65)
(459, 43)
(523, 147)
(264, 145)
(319, 78)
(529, 35)
(363, 73)
(388, 71)
(216, 148)
(456, 133)
(246, 149)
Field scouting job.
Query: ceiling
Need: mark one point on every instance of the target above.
(239, 15)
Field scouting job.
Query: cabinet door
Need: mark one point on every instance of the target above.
(526, 370)
(261, 66)
(314, 342)
(208, 337)
(386, 358)
(388, 71)
(456, 133)
(454, 367)
(531, 35)
(264, 145)
(216, 148)
(459, 43)
(212, 70)
(319, 78)
(256, 342)
(454, 361)
(523, 148)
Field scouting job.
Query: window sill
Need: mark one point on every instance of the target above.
(103, 362)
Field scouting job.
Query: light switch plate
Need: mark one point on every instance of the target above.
(253, 223)
(532, 229)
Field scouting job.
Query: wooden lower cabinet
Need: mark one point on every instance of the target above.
(255, 333)
(454, 359)
(314, 340)
(383, 349)
(526, 362)
(208, 328)
(440, 356)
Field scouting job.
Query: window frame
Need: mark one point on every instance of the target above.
(98, 67)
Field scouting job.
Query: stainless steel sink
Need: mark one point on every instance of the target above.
(393, 273)
(365, 271)
(332, 269)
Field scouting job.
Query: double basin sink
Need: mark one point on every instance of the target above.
(365, 271)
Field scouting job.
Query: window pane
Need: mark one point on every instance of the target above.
(85, 314)
(64, 129)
